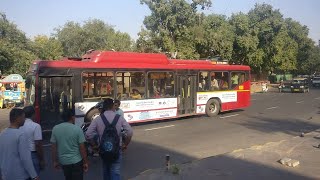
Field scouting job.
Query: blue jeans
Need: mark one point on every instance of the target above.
(112, 171)
(36, 162)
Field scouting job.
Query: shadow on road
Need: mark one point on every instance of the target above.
(218, 167)
(141, 157)
(290, 126)
(225, 167)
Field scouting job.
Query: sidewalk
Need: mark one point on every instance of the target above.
(256, 87)
(257, 162)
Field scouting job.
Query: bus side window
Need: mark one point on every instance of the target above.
(219, 81)
(203, 79)
(237, 78)
(130, 85)
(97, 85)
(160, 85)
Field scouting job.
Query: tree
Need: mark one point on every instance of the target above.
(94, 34)
(145, 42)
(216, 38)
(245, 46)
(47, 48)
(15, 49)
(312, 64)
(170, 25)
(299, 34)
(275, 47)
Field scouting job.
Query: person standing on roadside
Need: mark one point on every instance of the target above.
(109, 119)
(34, 134)
(15, 157)
(68, 143)
(117, 107)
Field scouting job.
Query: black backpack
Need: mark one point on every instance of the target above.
(110, 141)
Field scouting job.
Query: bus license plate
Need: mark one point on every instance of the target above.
(296, 89)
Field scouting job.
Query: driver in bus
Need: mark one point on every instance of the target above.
(135, 94)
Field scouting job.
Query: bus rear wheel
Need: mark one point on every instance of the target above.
(212, 107)
(91, 115)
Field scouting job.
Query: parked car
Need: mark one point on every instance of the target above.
(316, 81)
(300, 85)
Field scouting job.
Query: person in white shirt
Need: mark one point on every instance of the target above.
(34, 135)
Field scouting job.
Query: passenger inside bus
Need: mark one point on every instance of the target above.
(234, 80)
(214, 83)
(156, 93)
(135, 94)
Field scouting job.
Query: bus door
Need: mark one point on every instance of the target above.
(55, 96)
(186, 91)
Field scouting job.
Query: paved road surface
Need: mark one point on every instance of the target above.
(272, 117)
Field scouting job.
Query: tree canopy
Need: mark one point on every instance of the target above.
(261, 38)
(182, 29)
(76, 39)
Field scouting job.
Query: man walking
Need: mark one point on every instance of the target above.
(68, 142)
(117, 107)
(15, 158)
(34, 135)
(111, 169)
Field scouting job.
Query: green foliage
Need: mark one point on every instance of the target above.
(94, 34)
(261, 38)
(312, 64)
(245, 45)
(145, 42)
(169, 26)
(175, 169)
(15, 48)
(216, 37)
(46, 48)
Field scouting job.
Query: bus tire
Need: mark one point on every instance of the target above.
(212, 107)
(92, 114)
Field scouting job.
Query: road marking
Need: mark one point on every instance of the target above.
(317, 98)
(274, 107)
(229, 116)
(159, 128)
(299, 102)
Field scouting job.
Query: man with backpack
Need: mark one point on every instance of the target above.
(108, 126)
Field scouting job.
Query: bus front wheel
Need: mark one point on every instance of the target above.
(91, 115)
(212, 107)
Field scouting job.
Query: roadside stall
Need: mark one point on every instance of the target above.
(12, 91)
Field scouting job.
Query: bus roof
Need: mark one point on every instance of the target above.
(132, 60)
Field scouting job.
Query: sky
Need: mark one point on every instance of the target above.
(36, 17)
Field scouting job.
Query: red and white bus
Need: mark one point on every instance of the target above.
(150, 86)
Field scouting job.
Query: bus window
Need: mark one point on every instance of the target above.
(238, 78)
(160, 85)
(97, 85)
(130, 85)
(204, 84)
(219, 81)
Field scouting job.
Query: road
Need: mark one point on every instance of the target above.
(272, 117)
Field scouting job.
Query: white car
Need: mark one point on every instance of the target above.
(316, 81)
